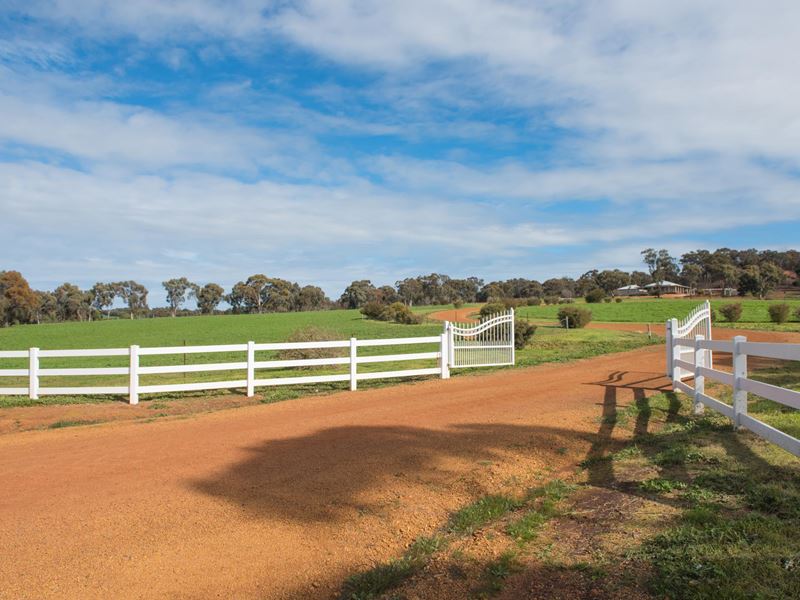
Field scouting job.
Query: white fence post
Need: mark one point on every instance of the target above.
(709, 353)
(353, 364)
(445, 352)
(251, 369)
(451, 346)
(699, 379)
(133, 376)
(739, 373)
(513, 348)
(676, 355)
(33, 373)
(672, 325)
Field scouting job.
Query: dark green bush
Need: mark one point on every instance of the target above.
(574, 317)
(492, 308)
(523, 332)
(397, 312)
(607, 300)
(797, 313)
(594, 296)
(400, 313)
(779, 313)
(617, 299)
(731, 312)
(373, 310)
(458, 304)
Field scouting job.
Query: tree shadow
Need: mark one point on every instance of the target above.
(325, 476)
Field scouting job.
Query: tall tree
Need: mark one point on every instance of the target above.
(358, 293)
(692, 274)
(312, 297)
(208, 297)
(661, 266)
(134, 294)
(47, 311)
(279, 295)
(760, 280)
(72, 303)
(177, 290)
(18, 302)
(102, 296)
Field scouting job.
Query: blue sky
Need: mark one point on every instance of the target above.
(326, 141)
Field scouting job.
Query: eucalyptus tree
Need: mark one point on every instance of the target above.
(208, 297)
(177, 291)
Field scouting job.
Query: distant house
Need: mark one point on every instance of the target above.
(630, 290)
(667, 287)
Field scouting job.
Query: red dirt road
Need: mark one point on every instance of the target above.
(286, 500)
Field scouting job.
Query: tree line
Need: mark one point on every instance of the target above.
(748, 271)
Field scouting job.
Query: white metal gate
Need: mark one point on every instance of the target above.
(487, 344)
(697, 322)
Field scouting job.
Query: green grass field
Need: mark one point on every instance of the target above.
(550, 344)
(658, 310)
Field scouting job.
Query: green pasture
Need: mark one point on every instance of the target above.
(550, 344)
(657, 310)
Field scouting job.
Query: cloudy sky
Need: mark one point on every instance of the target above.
(324, 141)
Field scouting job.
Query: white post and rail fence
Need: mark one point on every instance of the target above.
(489, 343)
(691, 358)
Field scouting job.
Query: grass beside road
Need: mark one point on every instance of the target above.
(665, 505)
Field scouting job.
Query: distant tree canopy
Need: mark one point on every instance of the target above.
(18, 302)
(749, 271)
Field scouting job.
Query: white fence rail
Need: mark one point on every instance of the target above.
(134, 371)
(701, 369)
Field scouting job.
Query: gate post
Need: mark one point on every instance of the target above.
(709, 358)
(513, 348)
(672, 326)
(451, 352)
(699, 378)
(444, 355)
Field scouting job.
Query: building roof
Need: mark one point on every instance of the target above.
(665, 284)
(633, 286)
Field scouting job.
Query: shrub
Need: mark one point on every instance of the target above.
(779, 313)
(617, 299)
(534, 301)
(312, 334)
(397, 312)
(731, 312)
(492, 309)
(576, 317)
(565, 300)
(551, 299)
(607, 300)
(373, 310)
(458, 304)
(595, 295)
(523, 332)
(797, 313)
(400, 313)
